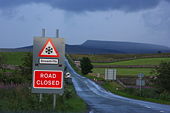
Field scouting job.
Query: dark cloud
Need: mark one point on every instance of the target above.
(87, 5)
(167, 0)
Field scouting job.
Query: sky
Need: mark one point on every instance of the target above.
(143, 21)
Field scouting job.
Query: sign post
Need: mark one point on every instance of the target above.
(48, 66)
(140, 82)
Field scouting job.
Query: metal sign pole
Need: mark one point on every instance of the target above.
(54, 101)
(140, 82)
(40, 97)
(107, 74)
(140, 86)
(57, 33)
(54, 95)
(43, 35)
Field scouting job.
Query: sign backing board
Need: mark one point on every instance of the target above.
(48, 54)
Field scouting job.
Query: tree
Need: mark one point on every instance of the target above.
(163, 76)
(159, 52)
(86, 66)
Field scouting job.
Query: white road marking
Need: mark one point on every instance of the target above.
(147, 107)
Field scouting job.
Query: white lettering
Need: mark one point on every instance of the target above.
(46, 75)
(57, 82)
(48, 61)
(54, 75)
(48, 82)
(38, 82)
(41, 75)
(49, 76)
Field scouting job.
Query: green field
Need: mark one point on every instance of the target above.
(126, 71)
(14, 58)
(145, 61)
(113, 57)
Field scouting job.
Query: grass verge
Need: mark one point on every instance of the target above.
(146, 94)
(20, 99)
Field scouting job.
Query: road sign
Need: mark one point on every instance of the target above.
(48, 61)
(48, 79)
(48, 55)
(140, 82)
(140, 75)
(110, 74)
(49, 50)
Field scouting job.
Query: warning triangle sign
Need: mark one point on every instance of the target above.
(49, 50)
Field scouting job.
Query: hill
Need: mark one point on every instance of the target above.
(126, 47)
(79, 49)
(104, 47)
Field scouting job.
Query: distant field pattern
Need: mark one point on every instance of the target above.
(127, 71)
(145, 61)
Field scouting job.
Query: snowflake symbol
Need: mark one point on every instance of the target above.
(49, 50)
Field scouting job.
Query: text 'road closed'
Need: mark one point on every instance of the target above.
(48, 79)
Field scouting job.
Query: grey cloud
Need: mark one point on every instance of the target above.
(158, 19)
(87, 5)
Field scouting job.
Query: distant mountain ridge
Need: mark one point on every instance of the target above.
(126, 47)
(79, 49)
(104, 47)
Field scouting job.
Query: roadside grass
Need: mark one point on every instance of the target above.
(6, 70)
(94, 77)
(14, 58)
(147, 94)
(20, 99)
(127, 71)
(145, 61)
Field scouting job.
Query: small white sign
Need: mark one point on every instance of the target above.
(48, 61)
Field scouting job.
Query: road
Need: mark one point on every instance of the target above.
(101, 101)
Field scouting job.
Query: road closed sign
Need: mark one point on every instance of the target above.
(48, 79)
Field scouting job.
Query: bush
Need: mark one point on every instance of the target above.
(162, 80)
(165, 96)
(86, 66)
(15, 79)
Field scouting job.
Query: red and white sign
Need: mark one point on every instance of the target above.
(49, 50)
(48, 79)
